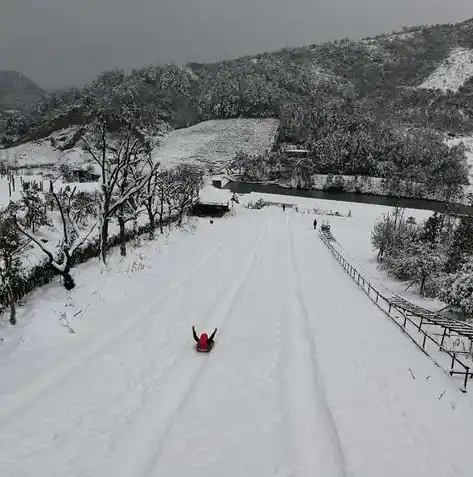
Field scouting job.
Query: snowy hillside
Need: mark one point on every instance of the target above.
(453, 73)
(215, 143)
(210, 143)
(307, 376)
(44, 153)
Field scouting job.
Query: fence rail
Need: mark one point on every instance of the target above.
(411, 324)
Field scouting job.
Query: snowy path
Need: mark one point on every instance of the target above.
(307, 377)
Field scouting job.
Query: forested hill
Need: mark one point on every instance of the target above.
(368, 100)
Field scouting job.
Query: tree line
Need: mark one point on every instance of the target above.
(435, 256)
(132, 188)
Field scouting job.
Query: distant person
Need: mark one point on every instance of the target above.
(204, 343)
(315, 224)
(283, 207)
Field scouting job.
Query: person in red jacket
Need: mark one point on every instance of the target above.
(204, 343)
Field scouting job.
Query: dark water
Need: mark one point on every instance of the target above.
(435, 206)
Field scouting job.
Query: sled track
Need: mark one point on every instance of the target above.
(180, 381)
(39, 388)
(315, 413)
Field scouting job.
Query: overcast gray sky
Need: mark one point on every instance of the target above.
(67, 42)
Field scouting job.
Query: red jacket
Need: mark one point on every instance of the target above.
(204, 343)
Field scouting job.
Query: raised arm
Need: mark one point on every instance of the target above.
(195, 334)
(212, 336)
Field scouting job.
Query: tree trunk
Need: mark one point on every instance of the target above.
(181, 215)
(161, 215)
(422, 285)
(11, 300)
(152, 221)
(69, 283)
(121, 224)
(104, 240)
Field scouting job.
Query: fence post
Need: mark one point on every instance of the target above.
(467, 370)
(453, 363)
(420, 324)
(425, 338)
(443, 339)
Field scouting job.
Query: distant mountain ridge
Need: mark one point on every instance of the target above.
(17, 91)
(420, 77)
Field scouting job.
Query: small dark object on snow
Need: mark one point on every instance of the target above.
(204, 343)
(315, 224)
(211, 221)
(68, 282)
(284, 207)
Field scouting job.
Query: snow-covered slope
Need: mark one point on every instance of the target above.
(215, 143)
(210, 143)
(453, 73)
(307, 376)
(44, 153)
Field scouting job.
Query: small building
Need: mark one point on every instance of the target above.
(213, 202)
(82, 175)
(209, 209)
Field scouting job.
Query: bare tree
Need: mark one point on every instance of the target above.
(165, 192)
(72, 237)
(157, 199)
(116, 159)
(187, 181)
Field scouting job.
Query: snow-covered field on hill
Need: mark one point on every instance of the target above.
(215, 143)
(42, 153)
(210, 143)
(452, 74)
(307, 376)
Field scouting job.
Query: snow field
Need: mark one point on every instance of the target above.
(453, 73)
(215, 143)
(307, 376)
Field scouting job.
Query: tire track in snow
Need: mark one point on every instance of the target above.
(10, 406)
(180, 381)
(317, 447)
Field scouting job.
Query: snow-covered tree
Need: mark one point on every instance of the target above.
(457, 289)
(117, 156)
(11, 245)
(461, 247)
(73, 237)
(34, 205)
(390, 232)
(84, 206)
(186, 183)
(418, 262)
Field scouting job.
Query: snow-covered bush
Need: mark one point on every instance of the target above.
(259, 204)
(457, 290)
(420, 263)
